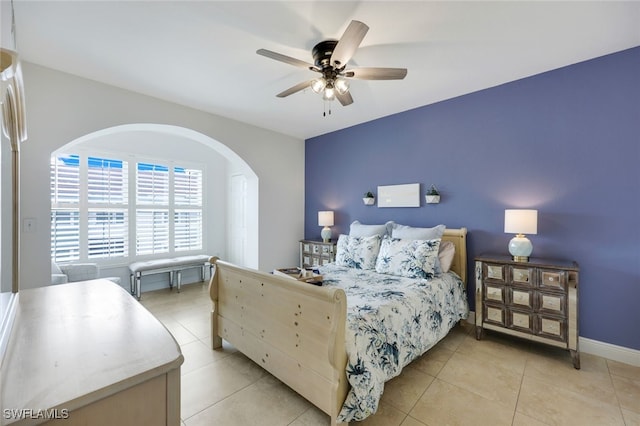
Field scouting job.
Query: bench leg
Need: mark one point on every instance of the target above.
(171, 279)
(138, 285)
(131, 284)
(202, 272)
(179, 279)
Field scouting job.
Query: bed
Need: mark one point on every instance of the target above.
(300, 332)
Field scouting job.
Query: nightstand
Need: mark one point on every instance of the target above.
(316, 253)
(535, 300)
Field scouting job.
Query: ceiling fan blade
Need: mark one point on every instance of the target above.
(348, 44)
(345, 99)
(377, 73)
(284, 58)
(298, 87)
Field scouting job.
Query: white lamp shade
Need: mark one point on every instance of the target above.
(325, 218)
(520, 221)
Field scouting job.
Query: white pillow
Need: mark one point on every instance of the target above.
(408, 258)
(445, 257)
(357, 252)
(412, 233)
(357, 229)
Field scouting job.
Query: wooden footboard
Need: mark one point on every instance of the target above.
(294, 330)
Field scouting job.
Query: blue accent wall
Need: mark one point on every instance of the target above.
(565, 142)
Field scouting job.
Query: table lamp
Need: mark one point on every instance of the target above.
(325, 218)
(520, 222)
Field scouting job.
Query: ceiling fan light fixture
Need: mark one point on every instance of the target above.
(342, 86)
(318, 85)
(329, 93)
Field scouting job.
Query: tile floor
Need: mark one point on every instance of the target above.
(461, 381)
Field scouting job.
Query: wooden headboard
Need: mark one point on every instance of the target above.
(458, 236)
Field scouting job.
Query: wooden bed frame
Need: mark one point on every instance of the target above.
(294, 330)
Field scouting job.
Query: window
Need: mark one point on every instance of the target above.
(92, 218)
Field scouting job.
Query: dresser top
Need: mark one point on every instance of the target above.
(535, 262)
(75, 343)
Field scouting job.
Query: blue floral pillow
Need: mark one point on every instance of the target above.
(408, 258)
(358, 252)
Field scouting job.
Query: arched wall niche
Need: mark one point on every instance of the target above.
(169, 142)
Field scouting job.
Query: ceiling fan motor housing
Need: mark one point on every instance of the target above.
(322, 53)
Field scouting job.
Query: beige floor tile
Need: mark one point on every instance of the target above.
(433, 360)
(410, 421)
(483, 377)
(631, 418)
(624, 370)
(312, 417)
(628, 392)
(385, 416)
(507, 351)
(212, 383)
(197, 354)
(541, 400)
(181, 334)
(520, 419)
(199, 327)
(403, 392)
(455, 337)
(446, 404)
(266, 402)
(556, 369)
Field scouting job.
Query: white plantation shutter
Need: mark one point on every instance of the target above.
(65, 179)
(152, 184)
(107, 181)
(187, 230)
(107, 232)
(65, 213)
(65, 235)
(152, 231)
(187, 187)
(92, 217)
(187, 217)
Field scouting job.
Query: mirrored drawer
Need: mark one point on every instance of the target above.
(494, 272)
(553, 280)
(494, 292)
(552, 303)
(521, 320)
(552, 327)
(521, 298)
(494, 314)
(522, 276)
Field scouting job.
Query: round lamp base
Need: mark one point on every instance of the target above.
(520, 248)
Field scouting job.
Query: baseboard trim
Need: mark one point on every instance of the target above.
(595, 347)
(609, 351)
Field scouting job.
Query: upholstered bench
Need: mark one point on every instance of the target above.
(174, 266)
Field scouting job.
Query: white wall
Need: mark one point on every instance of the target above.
(62, 108)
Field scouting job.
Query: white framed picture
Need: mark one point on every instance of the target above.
(407, 195)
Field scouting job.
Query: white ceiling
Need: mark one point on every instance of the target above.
(202, 54)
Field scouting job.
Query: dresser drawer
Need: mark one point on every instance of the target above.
(521, 297)
(553, 280)
(552, 303)
(521, 320)
(494, 314)
(551, 327)
(522, 276)
(494, 292)
(493, 272)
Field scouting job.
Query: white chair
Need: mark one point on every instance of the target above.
(72, 272)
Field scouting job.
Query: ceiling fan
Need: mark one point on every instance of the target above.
(330, 60)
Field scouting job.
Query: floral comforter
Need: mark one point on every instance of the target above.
(391, 320)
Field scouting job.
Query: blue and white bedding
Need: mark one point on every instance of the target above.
(391, 320)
